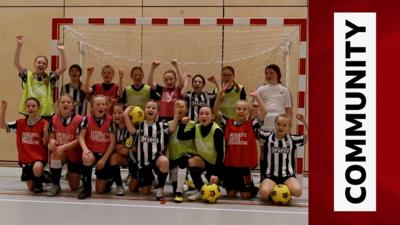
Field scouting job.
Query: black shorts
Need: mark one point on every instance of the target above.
(182, 161)
(104, 173)
(27, 170)
(238, 179)
(145, 173)
(75, 167)
(279, 180)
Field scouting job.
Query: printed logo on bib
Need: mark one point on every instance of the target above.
(30, 138)
(98, 136)
(235, 139)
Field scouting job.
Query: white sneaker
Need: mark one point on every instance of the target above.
(159, 194)
(120, 190)
(195, 196)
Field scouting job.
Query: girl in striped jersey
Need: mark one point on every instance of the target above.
(198, 97)
(32, 137)
(97, 139)
(120, 155)
(64, 145)
(279, 156)
(240, 147)
(150, 146)
(168, 93)
(76, 90)
(208, 137)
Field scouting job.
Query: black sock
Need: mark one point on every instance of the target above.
(56, 175)
(87, 178)
(263, 170)
(174, 185)
(133, 169)
(37, 181)
(195, 173)
(162, 177)
(116, 172)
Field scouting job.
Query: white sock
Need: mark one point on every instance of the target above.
(181, 179)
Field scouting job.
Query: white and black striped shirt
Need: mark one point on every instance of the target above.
(150, 140)
(121, 133)
(280, 155)
(79, 98)
(196, 101)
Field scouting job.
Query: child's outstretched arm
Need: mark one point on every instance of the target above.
(150, 80)
(301, 118)
(63, 59)
(263, 109)
(89, 72)
(213, 80)
(179, 72)
(128, 123)
(186, 84)
(3, 114)
(218, 100)
(121, 73)
(17, 56)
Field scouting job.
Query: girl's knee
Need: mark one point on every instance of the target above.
(297, 191)
(38, 169)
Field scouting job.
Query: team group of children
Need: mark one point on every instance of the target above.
(183, 132)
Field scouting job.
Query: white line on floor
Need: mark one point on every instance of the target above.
(150, 206)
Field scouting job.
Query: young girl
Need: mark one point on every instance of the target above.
(198, 97)
(64, 145)
(240, 147)
(233, 91)
(209, 140)
(109, 89)
(179, 153)
(170, 92)
(137, 94)
(120, 155)
(278, 101)
(279, 152)
(97, 139)
(32, 137)
(38, 83)
(76, 90)
(150, 146)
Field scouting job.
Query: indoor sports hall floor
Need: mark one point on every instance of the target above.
(18, 206)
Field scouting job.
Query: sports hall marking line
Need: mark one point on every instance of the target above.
(151, 206)
(146, 198)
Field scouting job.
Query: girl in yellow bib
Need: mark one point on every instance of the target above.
(38, 83)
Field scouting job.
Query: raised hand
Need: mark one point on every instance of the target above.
(60, 47)
(20, 39)
(155, 64)
(212, 79)
(174, 62)
(121, 73)
(3, 105)
(90, 70)
(300, 117)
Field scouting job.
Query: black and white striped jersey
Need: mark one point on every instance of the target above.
(280, 155)
(196, 101)
(79, 98)
(150, 140)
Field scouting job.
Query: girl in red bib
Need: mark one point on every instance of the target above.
(240, 147)
(108, 88)
(168, 93)
(32, 137)
(64, 145)
(97, 139)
